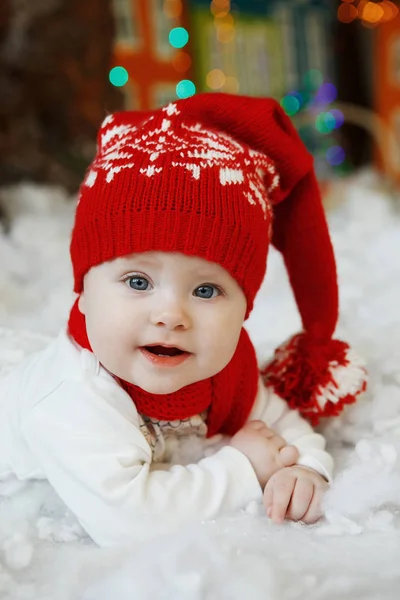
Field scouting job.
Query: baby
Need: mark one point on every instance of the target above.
(169, 248)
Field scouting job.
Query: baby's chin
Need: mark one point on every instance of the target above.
(167, 383)
(161, 388)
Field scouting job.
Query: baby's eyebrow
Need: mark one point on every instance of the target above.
(210, 277)
(137, 262)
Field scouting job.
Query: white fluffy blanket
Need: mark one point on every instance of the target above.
(354, 553)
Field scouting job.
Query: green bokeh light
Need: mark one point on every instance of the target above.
(185, 88)
(325, 122)
(119, 76)
(178, 37)
(290, 105)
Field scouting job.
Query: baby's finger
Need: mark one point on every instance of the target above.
(277, 441)
(289, 455)
(263, 429)
(314, 512)
(301, 499)
(268, 497)
(283, 486)
(256, 425)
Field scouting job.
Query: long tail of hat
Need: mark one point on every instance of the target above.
(313, 372)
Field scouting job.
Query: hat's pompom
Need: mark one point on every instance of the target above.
(317, 378)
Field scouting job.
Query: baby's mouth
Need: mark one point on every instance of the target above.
(165, 351)
(164, 356)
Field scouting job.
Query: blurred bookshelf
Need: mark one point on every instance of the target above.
(278, 48)
(332, 64)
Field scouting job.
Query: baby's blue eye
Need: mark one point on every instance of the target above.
(140, 284)
(206, 291)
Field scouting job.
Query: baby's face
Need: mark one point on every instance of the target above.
(162, 321)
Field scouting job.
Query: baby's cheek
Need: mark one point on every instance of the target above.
(232, 335)
(107, 341)
(220, 354)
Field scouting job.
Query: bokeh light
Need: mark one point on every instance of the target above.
(347, 13)
(219, 7)
(215, 79)
(302, 98)
(313, 79)
(338, 116)
(372, 13)
(221, 15)
(118, 76)
(390, 11)
(185, 88)
(218, 13)
(290, 104)
(326, 94)
(325, 122)
(178, 37)
(335, 155)
(224, 20)
(225, 33)
(221, 4)
(231, 85)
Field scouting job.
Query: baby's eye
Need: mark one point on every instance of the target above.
(140, 284)
(207, 291)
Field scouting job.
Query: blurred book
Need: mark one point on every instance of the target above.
(150, 66)
(263, 47)
(387, 96)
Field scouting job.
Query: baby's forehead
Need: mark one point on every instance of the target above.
(158, 260)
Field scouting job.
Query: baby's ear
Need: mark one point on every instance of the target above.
(81, 303)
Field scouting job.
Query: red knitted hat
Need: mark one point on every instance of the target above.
(220, 177)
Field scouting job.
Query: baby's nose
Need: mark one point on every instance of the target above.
(172, 315)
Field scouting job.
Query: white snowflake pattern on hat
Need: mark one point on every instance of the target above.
(194, 148)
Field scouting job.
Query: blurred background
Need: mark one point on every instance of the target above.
(64, 64)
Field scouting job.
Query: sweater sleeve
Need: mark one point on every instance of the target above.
(274, 411)
(88, 444)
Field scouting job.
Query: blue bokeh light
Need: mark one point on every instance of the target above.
(338, 116)
(118, 76)
(335, 155)
(178, 37)
(185, 88)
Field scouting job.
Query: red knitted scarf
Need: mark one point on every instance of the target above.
(228, 396)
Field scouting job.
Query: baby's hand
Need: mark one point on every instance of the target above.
(266, 451)
(295, 493)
